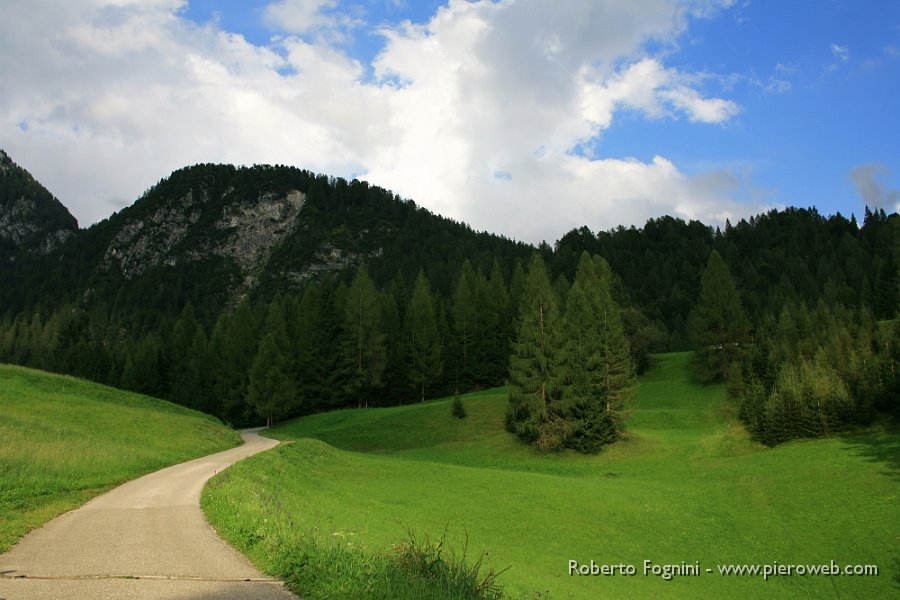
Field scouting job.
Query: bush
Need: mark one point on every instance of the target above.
(459, 411)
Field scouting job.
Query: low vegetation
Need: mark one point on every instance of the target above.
(64, 440)
(331, 511)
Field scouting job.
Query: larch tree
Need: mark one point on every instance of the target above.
(535, 365)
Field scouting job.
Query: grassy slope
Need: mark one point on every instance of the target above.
(64, 440)
(687, 485)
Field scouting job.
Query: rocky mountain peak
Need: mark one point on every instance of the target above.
(31, 218)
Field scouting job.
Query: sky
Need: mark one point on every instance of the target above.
(526, 118)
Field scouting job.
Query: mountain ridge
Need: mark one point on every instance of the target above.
(31, 218)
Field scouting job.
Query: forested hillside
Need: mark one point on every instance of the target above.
(266, 292)
(31, 219)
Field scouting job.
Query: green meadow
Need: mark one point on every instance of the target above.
(331, 510)
(65, 440)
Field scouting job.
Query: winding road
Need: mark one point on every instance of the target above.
(146, 539)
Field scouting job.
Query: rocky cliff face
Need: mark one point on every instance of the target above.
(193, 227)
(209, 235)
(31, 219)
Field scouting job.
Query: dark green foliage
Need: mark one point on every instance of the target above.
(423, 338)
(458, 410)
(466, 326)
(599, 375)
(719, 325)
(271, 388)
(536, 370)
(38, 214)
(142, 372)
(316, 327)
(816, 373)
(189, 328)
(363, 342)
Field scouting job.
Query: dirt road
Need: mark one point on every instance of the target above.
(146, 539)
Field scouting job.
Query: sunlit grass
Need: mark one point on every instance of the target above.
(64, 440)
(686, 486)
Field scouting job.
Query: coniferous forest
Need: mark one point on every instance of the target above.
(795, 311)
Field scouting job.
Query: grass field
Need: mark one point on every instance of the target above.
(686, 487)
(64, 440)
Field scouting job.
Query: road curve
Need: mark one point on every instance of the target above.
(146, 539)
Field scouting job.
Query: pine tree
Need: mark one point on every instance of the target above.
(600, 378)
(718, 323)
(423, 337)
(535, 364)
(363, 347)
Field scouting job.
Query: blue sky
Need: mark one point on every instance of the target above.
(523, 117)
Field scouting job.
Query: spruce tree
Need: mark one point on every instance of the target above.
(718, 323)
(599, 373)
(141, 372)
(233, 344)
(271, 389)
(363, 348)
(493, 354)
(423, 340)
(176, 365)
(535, 364)
(308, 346)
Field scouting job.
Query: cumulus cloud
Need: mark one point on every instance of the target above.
(874, 194)
(482, 114)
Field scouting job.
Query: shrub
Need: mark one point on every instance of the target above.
(459, 411)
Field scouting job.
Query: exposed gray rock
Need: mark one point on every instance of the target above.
(31, 219)
(245, 232)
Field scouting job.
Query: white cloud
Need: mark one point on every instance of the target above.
(840, 56)
(658, 92)
(841, 53)
(121, 93)
(873, 192)
(299, 16)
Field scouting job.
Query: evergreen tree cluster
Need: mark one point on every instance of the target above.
(333, 344)
(816, 372)
(570, 368)
(788, 256)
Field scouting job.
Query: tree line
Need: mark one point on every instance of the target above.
(770, 305)
(807, 372)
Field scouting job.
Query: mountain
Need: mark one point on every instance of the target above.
(31, 219)
(210, 235)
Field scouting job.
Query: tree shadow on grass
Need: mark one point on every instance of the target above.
(880, 445)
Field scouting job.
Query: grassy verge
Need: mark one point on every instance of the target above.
(64, 440)
(686, 488)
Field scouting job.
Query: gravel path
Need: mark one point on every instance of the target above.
(146, 539)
